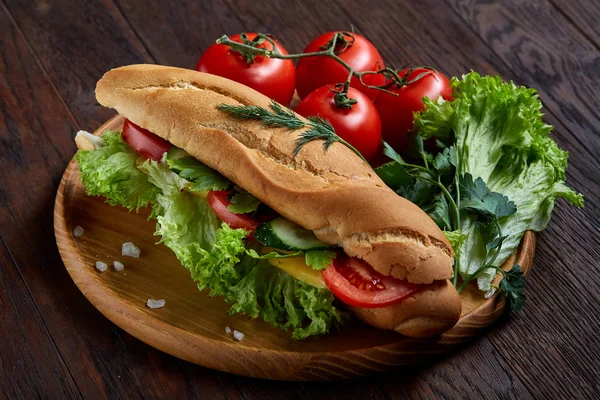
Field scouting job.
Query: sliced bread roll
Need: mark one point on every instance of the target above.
(333, 192)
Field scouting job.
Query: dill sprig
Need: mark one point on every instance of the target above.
(280, 117)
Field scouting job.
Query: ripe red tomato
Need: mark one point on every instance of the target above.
(144, 142)
(396, 112)
(218, 201)
(360, 125)
(272, 77)
(314, 72)
(356, 283)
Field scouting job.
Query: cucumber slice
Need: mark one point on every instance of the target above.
(284, 234)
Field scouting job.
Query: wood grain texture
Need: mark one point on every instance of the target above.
(37, 132)
(565, 70)
(78, 41)
(192, 326)
(582, 14)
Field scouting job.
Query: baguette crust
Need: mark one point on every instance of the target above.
(333, 193)
(427, 313)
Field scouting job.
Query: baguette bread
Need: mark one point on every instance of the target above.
(333, 193)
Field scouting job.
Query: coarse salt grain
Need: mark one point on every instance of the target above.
(118, 265)
(101, 266)
(130, 249)
(78, 231)
(227, 329)
(238, 335)
(155, 303)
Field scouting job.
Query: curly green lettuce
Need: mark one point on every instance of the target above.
(497, 134)
(216, 257)
(111, 171)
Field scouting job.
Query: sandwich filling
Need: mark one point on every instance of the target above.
(233, 245)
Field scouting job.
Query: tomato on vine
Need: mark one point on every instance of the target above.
(272, 77)
(353, 116)
(396, 111)
(353, 49)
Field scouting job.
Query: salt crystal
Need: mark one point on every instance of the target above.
(155, 303)
(78, 231)
(131, 250)
(118, 265)
(227, 329)
(238, 335)
(100, 266)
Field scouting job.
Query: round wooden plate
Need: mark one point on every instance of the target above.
(192, 325)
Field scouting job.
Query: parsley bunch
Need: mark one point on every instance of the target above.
(436, 187)
(497, 175)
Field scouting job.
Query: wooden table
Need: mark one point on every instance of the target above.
(54, 344)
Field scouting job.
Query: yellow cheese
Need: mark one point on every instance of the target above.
(296, 267)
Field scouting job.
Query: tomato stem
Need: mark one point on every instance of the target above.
(328, 51)
(341, 98)
(250, 48)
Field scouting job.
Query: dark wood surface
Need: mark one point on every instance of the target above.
(54, 344)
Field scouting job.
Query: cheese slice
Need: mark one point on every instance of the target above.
(296, 267)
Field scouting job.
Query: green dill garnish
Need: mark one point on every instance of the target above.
(279, 117)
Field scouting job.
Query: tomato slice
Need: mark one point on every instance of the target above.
(219, 200)
(144, 142)
(357, 284)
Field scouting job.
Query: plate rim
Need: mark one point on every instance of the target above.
(163, 332)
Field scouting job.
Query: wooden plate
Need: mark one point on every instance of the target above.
(192, 325)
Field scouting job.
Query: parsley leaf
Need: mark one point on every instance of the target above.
(202, 177)
(513, 286)
(243, 202)
(394, 175)
(419, 192)
(319, 259)
(316, 259)
(439, 211)
(445, 161)
(490, 234)
(391, 153)
(476, 198)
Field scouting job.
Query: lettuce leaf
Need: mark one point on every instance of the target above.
(502, 142)
(111, 172)
(286, 302)
(203, 178)
(215, 255)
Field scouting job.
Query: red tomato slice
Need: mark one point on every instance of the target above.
(144, 142)
(218, 201)
(357, 284)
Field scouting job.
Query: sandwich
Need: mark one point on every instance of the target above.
(300, 236)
